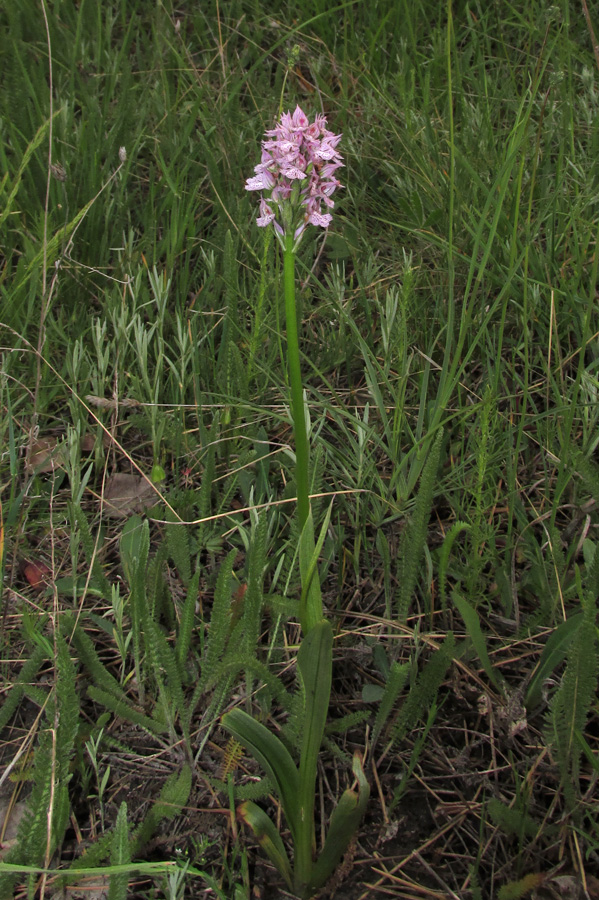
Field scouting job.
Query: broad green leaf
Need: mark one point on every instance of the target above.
(344, 823)
(272, 755)
(372, 693)
(315, 665)
(267, 836)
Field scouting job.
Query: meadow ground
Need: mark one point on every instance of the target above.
(449, 332)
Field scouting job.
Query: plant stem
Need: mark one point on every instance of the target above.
(295, 382)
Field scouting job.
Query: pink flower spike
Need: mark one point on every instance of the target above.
(295, 174)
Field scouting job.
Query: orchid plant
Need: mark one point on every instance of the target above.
(296, 179)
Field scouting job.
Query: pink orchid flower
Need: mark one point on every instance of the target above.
(297, 174)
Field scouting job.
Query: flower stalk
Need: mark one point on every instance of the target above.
(302, 452)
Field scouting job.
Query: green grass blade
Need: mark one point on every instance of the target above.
(472, 622)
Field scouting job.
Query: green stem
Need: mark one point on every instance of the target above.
(295, 382)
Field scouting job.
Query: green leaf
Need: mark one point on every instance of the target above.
(413, 540)
(186, 622)
(157, 475)
(220, 625)
(344, 823)
(272, 755)
(311, 598)
(444, 554)
(19, 685)
(572, 703)
(553, 654)
(512, 820)
(423, 692)
(315, 665)
(173, 797)
(27, 155)
(88, 655)
(268, 837)
(177, 541)
(122, 708)
(372, 693)
(134, 547)
(80, 585)
(472, 622)
(120, 855)
(517, 889)
(398, 675)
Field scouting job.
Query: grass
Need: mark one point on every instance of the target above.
(449, 315)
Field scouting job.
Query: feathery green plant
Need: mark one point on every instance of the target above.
(424, 688)
(512, 819)
(229, 647)
(515, 890)
(19, 687)
(134, 549)
(122, 843)
(186, 624)
(173, 797)
(396, 679)
(120, 855)
(220, 628)
(106, 689)
(589, 472)
(483, 493)
(43, 827)
(177, 541)
(571, 704)
(421, 698)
